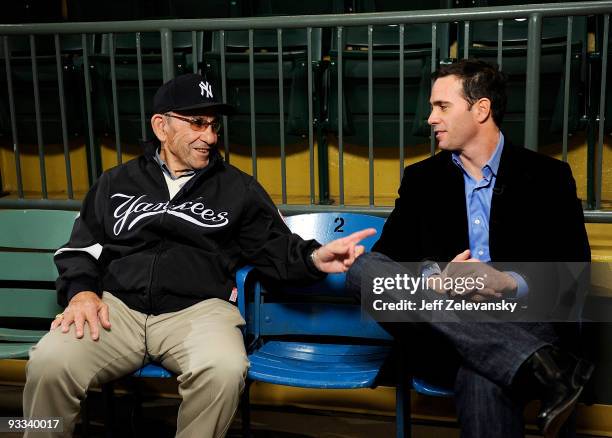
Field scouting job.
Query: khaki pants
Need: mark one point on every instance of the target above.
(202, 344)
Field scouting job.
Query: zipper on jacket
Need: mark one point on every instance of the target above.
(158, 175)
(154, 266)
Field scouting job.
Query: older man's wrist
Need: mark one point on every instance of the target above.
(314, 259)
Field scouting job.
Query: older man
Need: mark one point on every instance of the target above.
(148, 273)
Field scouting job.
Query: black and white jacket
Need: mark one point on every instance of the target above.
(161, 255)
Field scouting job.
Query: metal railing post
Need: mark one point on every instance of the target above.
(167, 53)
(439, 21)
(532, 86)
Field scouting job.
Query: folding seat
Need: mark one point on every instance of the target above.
(131, 105)
(23, 84)
(27, 273)
(385, 107)
(266, 92)
(266, 88)
(483, 37)
(314, 336)
(198, 9)
(386, 66)
(397, 5)
(33, 11)
(280, 7)
(78, 10)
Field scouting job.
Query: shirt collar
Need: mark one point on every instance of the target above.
(166, 169)
(492, 166)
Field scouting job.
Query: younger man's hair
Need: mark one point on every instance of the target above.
(480, 80)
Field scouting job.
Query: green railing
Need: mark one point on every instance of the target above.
(439, 20)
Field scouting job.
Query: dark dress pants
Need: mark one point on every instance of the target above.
(481, 359)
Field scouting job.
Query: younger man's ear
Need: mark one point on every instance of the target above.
(483, 109)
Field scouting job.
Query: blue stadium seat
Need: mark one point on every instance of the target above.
(153, 370)
(315, 336)
(423, 387)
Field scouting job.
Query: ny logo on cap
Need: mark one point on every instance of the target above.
(206, 87)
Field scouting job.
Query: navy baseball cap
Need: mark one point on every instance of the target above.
(187, 93)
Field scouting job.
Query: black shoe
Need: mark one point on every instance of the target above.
(561, 378)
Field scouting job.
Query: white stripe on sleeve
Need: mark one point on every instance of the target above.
(94, 250)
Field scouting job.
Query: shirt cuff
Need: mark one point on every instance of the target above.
(522, 290)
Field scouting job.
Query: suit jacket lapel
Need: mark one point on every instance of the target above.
(506, 197)
(457, 226)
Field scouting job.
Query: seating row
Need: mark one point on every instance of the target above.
(35, 11)
(326, 54)
(311, 337)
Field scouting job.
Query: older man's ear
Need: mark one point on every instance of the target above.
(158, 124)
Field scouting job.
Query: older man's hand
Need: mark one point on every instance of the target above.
(339, 255)
(84, 307)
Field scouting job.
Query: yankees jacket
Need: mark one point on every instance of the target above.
(161, 255)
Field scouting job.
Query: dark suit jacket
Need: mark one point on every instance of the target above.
(535, 213)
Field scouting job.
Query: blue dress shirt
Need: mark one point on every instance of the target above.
(478, 195)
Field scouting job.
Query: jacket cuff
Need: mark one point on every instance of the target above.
(309, 260)
(79, 285)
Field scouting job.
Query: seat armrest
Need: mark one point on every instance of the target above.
(242, 276)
